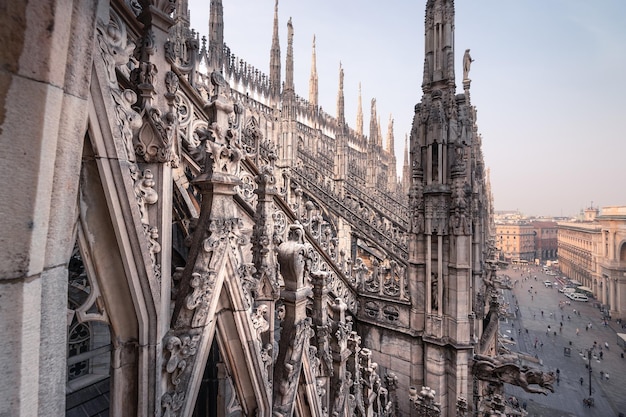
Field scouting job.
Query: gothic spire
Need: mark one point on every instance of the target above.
(216, 35)
(275, 57)
(406, 167)
(289, 65)
(373, 124)
(390, 139)
(313, 83)
(439, 44)
(182, 12)
(359, 115)
(379, 136)
(340, 100)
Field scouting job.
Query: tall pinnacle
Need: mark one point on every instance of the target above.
(289, 66)
(390, 139)
(216, 35)
(275, 58)
(313, 83)
(341, 117)
(439, 44)
(359, 115)
(373, 124)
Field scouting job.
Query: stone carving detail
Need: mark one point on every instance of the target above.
(248, 283)
(172, 402)
(246, 189)
(180, 348)
(222, 149)
(505, 369)
(154, 142)
(291, 368)
(166, 7)
(424, 402)
(129, 121)
(146, 195)
(181, 50)
(198, 300)
(259, 321)
(114, 47)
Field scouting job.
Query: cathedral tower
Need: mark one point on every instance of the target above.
(446, 200)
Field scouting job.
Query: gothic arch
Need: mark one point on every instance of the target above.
(124, 258)
(237, 340)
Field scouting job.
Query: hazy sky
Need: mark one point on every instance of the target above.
(549, 82)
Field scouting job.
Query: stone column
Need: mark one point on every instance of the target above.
(46, 61)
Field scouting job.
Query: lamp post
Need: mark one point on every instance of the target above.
(589, 358)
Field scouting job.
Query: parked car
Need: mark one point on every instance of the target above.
(577, 296)
(548, 284)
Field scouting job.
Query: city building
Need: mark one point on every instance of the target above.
(593, 252)
(184, 235)
(545, 240)
(515, 242)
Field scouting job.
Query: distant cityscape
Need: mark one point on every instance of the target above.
(588, 248)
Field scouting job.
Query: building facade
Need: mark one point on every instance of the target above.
(593, 252)
(516, 241)
(545, 240)
(186, 236)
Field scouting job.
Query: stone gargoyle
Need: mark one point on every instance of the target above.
(505, 369)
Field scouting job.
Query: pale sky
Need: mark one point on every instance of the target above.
(548, 81)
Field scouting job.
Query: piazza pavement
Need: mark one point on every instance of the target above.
(528, 329)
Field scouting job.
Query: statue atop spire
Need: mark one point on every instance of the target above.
(467, 62)
(313, 82)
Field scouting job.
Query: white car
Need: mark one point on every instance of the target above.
(577, 296)
(548, 284)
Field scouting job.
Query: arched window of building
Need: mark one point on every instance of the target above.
(88, 343)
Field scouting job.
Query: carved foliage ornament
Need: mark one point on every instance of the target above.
(154, 142)
(223, 152)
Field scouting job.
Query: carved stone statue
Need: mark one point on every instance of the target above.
(504, 369)
(434, 292)
(467, 63)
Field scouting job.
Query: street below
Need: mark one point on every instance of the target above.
(563, 336)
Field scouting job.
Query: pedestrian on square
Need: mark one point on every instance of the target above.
(581, 381)
(577, 331)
